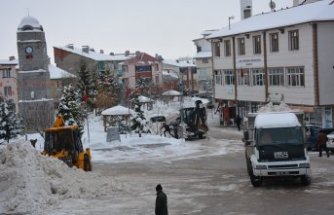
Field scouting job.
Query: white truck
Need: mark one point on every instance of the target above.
(274, 143)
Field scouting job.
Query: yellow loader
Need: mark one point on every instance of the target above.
(64, 143)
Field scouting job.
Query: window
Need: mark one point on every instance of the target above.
(199, 49)
(258, 77)
(293, 40)
(227, 46)
(276, 77)
(243, 77)
(295, 77)
(6, 73)
(125, 68)
(274, 42)
(143, 68)
(218, 77)
(205, 60)
(228, 77)
(241, 46)
(257, 44)
(216, 48)
(157, 80)
(156, 67)
(8, 91)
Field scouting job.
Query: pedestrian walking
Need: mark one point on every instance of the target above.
(166, 128)
(160, 202)
(321, 143)
(238, 121)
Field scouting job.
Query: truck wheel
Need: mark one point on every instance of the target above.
(256, 181)
(305, 180)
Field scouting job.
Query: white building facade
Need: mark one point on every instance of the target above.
(289, 52)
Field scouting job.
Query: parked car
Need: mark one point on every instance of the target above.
(330, 141)
(312, 133)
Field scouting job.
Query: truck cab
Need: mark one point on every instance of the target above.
(274, 144)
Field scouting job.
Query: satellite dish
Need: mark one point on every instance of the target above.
(272, 5)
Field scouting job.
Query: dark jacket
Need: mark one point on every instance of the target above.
(161, 204)
(322, 139)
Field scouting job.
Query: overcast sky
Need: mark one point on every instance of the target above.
(165, 27)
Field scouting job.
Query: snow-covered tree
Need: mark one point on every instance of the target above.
(108, 90)
(71, 107)
(138, 121)
(87, 84)
(10, 123)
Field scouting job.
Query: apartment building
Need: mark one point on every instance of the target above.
(70, 58)
(142, 68)
(203, 62)
(8, 79)
(287, 52)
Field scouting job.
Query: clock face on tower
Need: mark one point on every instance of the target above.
(28, 50)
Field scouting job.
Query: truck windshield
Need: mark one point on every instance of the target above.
(280, 136)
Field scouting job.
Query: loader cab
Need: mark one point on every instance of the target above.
(62, 139)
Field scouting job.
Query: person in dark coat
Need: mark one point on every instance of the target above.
(321, 143)
(238, 121)
(161, 202)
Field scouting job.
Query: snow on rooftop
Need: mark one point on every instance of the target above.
(171, 93)
(8, 62)
(179, 63)
(117, 111)
(57, 73)
(29, 21)
(170, 73)
(203, 55)
(97, 56)
(276, 120)
(318, 11)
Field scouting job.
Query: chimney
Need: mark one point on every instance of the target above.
(246, 9)
(85, 49)
(111, 53)
(295, 3)
(101, 51)
(70, 46)
(11, 58)
(137, 53)
(127, 53)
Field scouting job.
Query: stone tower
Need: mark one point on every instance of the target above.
(34, 76)
(35, 106)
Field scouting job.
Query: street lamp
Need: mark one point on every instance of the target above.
(229, 21)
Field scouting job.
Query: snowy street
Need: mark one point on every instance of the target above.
(200, 177)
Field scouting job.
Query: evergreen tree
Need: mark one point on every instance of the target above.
(71, 108)
(87, 84)
(138, 121)
(10, 123)
(108, 90)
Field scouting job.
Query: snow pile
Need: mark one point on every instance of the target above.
(30, 181)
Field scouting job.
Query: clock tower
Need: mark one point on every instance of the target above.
(33, 76)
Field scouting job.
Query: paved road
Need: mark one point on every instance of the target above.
(217, 184)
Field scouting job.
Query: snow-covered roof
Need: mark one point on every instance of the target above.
(30, 22)
(276, 120)
(203, 55)
(144, 99)
(8, 62)
(181, 63)
(318, 11)
(171, 93)
(97, 56)
(171, 74)
(58, 73)
(117, 111)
